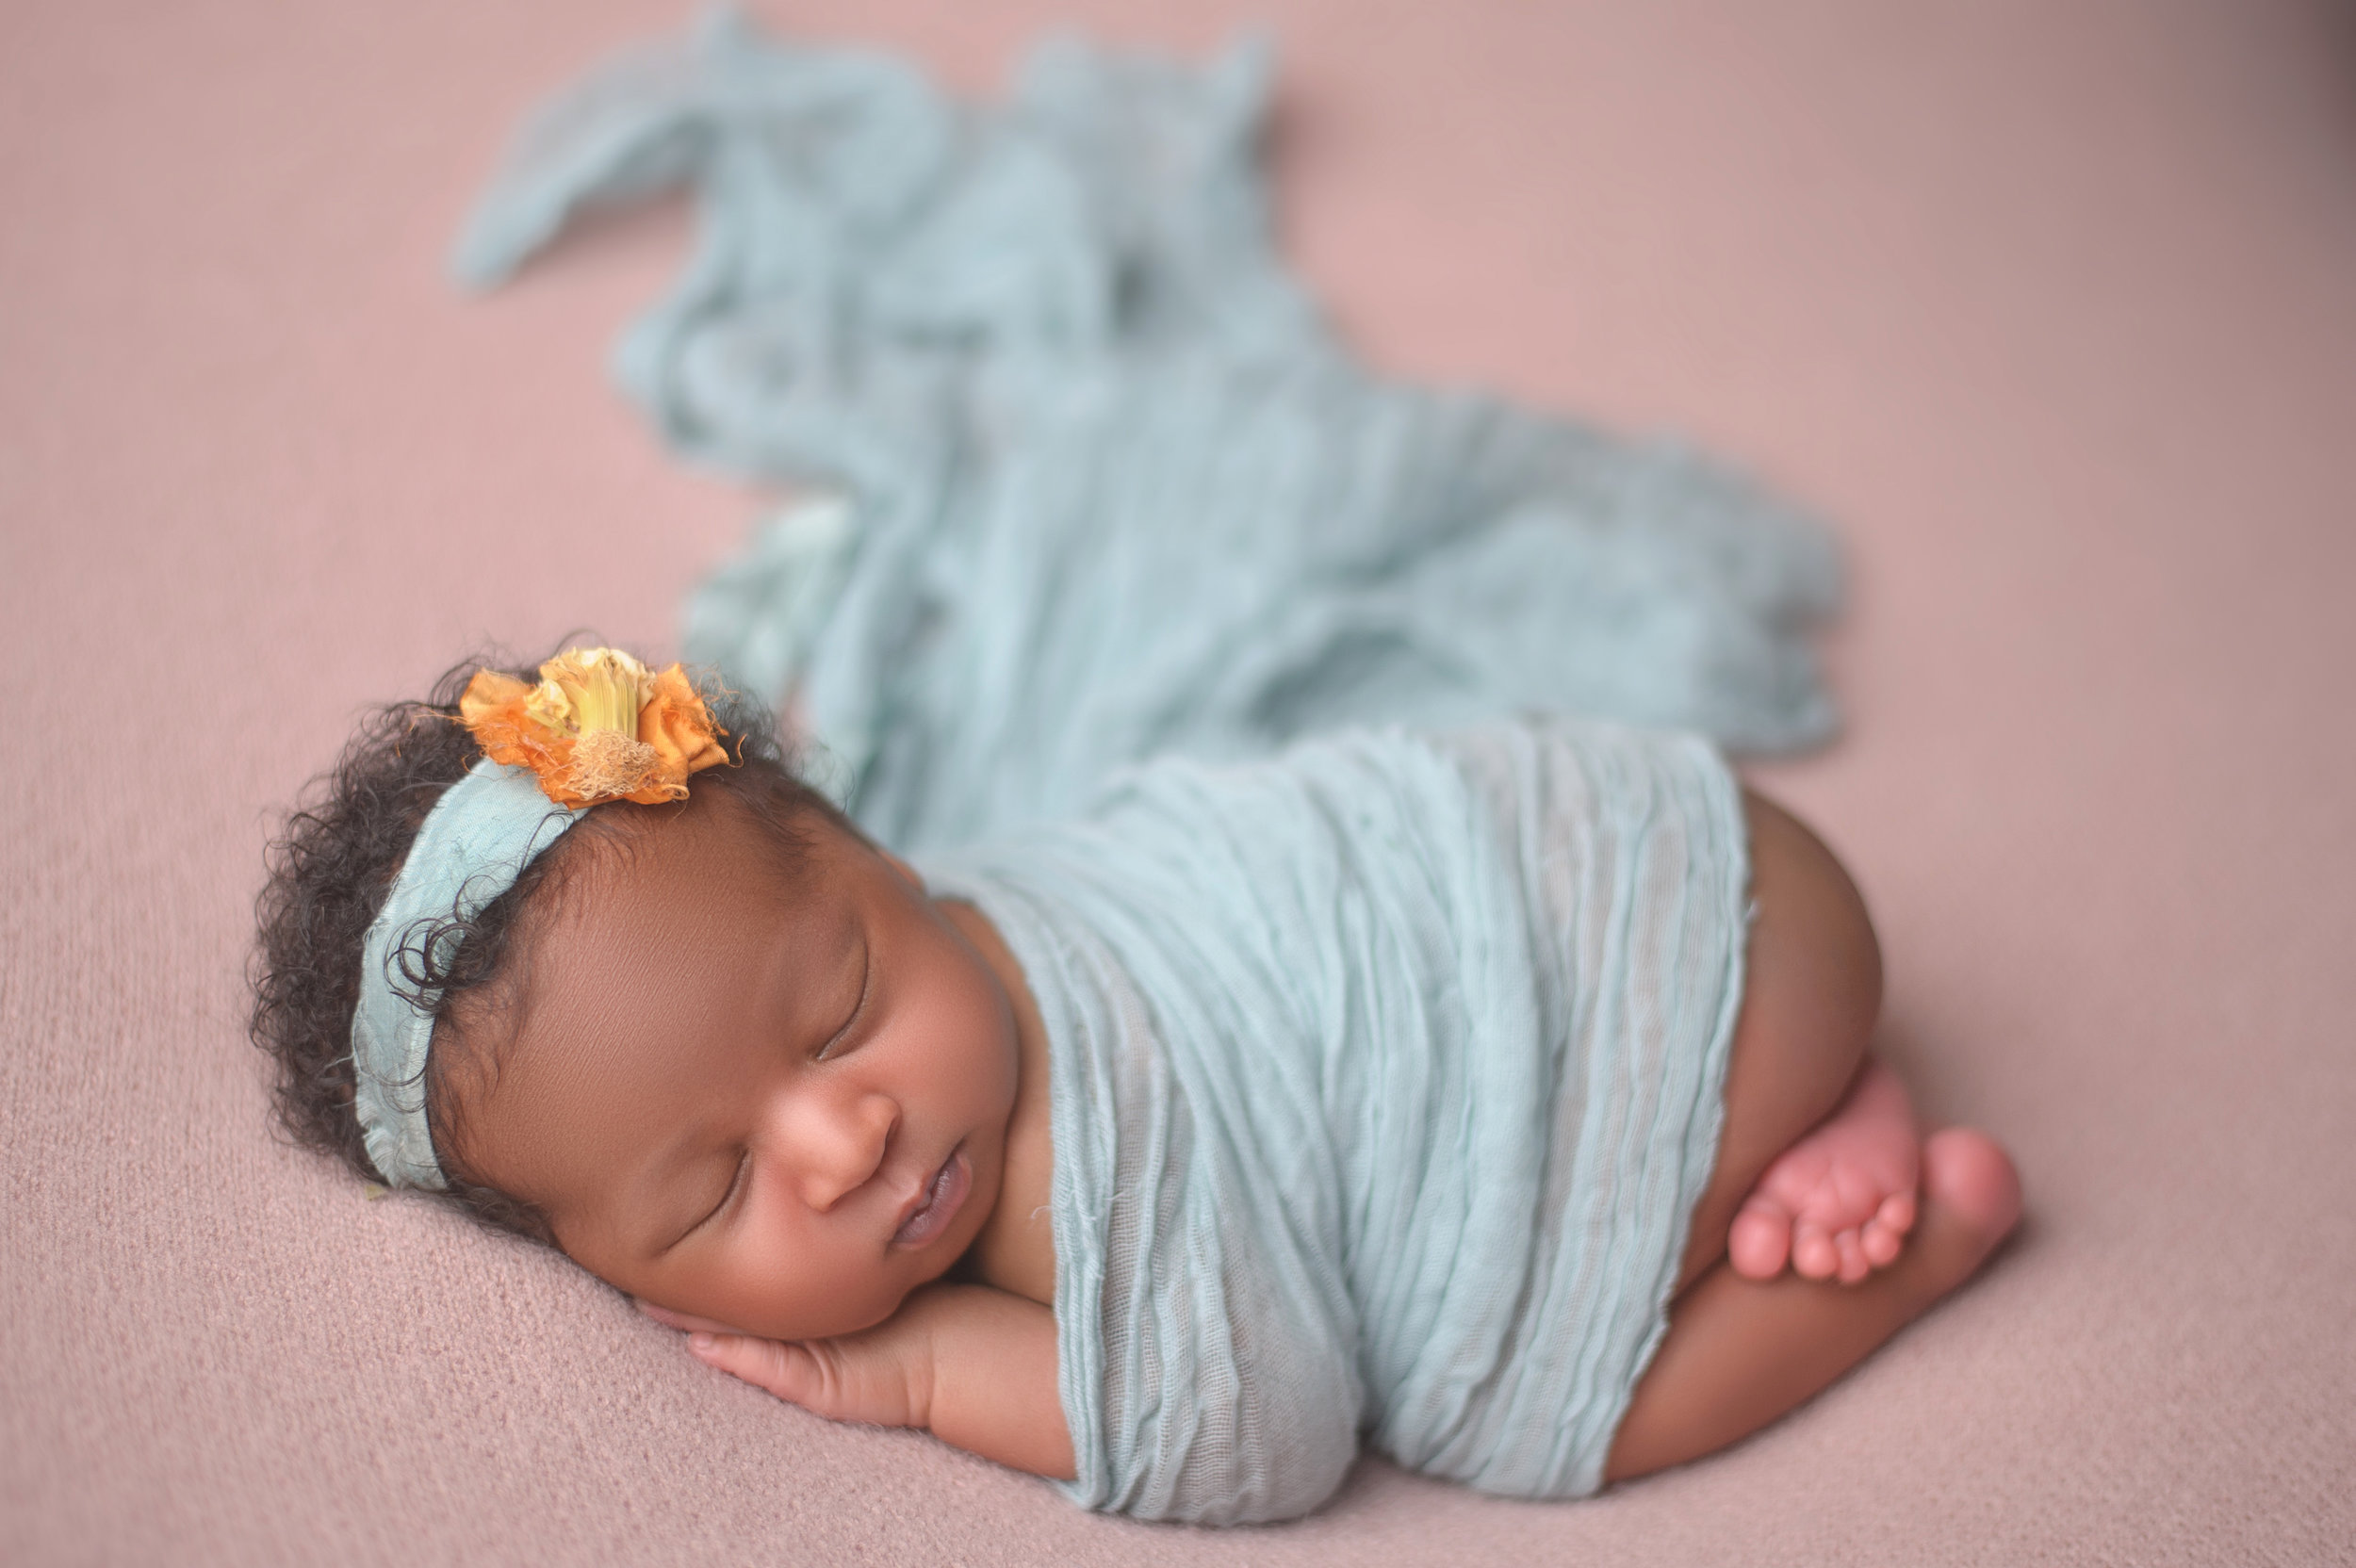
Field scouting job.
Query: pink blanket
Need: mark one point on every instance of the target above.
(2055, 307)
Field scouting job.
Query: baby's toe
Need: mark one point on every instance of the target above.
(1854, 1264)
(1881, 1244)
(1759, 1241)
(1896, 1215)
(1813, 1254)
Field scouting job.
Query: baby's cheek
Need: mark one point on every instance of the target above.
(987, 1049)
(783, 1292)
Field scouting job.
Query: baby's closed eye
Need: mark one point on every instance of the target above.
(845, 1037)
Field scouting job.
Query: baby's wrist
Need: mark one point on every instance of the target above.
(983, 1372)
(951, 1327)
(921, 1355)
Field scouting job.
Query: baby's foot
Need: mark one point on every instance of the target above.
(1840, 1201)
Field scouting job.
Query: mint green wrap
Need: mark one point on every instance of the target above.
(1094, 481)
(1385, 1074)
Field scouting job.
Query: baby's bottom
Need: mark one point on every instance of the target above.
(1818, 1166)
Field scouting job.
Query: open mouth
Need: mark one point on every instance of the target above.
(943, 1195)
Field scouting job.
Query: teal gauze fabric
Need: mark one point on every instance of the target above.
(1078, 475)
(1387, 1073)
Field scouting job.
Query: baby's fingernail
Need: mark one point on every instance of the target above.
(700, 1342)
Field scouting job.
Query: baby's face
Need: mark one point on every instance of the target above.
(774, 1099)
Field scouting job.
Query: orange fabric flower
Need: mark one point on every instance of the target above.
(599, 727)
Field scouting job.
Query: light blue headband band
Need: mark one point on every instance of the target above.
(478, 838)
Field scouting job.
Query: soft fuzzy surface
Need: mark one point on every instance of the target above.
(2052, 308)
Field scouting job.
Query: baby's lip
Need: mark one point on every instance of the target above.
(931, 1208)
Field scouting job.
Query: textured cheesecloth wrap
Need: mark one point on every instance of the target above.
(1385, 1076)
(1082, 476)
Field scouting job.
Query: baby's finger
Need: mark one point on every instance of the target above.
(768, 1363)
(821, 1377)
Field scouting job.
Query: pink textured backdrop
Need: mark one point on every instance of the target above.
(2052, 307)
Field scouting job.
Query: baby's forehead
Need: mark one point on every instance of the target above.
(693, 905)
(715, 845)
(672, 936)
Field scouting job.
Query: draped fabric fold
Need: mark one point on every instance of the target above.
(1081, 476)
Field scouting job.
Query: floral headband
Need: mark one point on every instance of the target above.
(599, 727)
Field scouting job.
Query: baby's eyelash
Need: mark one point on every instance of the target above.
(866, 984)
(743, 1164)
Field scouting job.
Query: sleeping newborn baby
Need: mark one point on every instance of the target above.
(1501, 1099)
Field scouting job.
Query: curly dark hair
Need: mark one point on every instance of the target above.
(332, 869)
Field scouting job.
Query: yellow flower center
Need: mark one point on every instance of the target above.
(585, 691)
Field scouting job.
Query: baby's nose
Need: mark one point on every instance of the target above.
(840, 1143)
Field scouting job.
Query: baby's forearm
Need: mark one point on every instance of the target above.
(993, 1383)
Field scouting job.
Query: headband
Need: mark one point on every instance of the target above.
(478, 838)
(599, 727)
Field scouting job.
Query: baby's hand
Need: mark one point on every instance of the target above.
(882, 1376)
(975, 1365)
